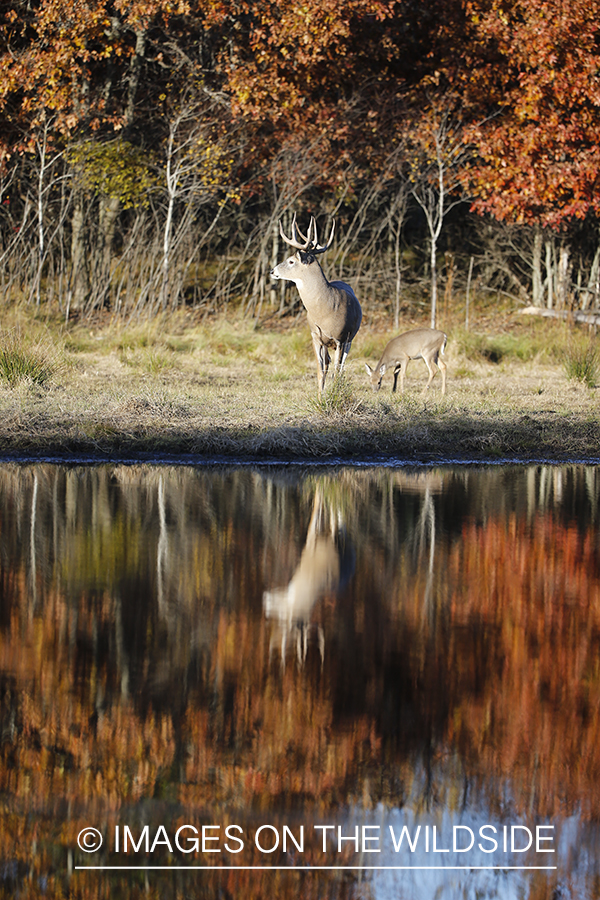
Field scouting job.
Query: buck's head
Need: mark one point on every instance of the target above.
(375, 375)
(295, 268)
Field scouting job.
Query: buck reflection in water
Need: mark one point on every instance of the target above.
(326, 565)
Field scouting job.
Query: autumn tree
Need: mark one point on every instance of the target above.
(318, 99)
(80, 68)
(535, 86)
(437, 154)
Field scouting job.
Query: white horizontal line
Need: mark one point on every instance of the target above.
(314, 868)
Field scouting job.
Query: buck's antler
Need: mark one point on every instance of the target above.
(310, 241)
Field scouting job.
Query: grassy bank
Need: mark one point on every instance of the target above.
(232, 388)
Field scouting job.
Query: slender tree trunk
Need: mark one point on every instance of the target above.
(564, 277)
(449, 282)
(274, 260)
(468, 294)
(164, 292)
(549, 275)
(593, 287)
(171, 179)
(79, 272)
(40, 213)
(134, 75)
(433, 259)
(45, 167)
(397, 217)
(107, 221)
(398, 265)
(537, 290)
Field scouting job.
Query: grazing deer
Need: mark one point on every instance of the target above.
(422, 343)
(333, 311)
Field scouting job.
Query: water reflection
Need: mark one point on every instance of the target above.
(188, 647)
(325, 567)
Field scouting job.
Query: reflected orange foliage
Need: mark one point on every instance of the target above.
(536, 587)
(479, 660)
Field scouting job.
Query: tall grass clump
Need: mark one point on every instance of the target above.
(20, 363)
(338, 397)
(497, 348)
(582, 364)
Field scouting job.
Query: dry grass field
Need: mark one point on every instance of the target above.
(232, 388)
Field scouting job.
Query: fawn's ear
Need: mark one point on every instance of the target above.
(382, 369)
(369, 369)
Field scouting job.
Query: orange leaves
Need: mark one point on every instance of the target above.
(298, 48)
(545, 56)
(348, 76)
(140, 13)
(75, 59)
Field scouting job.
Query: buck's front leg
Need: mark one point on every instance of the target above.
(323, 360)
(341, 352)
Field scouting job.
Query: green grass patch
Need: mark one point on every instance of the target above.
(371, 348)
(135, 339)
(338, 397)
(582, 363)
(524, 346)
(523, 342)
(18, 362)
(151, 360)
(179, 345)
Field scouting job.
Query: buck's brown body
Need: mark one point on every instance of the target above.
(333, 311)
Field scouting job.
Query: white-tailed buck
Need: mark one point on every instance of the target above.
(333, 311)
(422, 343)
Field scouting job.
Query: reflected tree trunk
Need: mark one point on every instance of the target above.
(163, 547)
(32, 545)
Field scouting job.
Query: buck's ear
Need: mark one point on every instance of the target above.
(369, 369)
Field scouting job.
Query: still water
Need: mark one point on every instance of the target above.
(386, 681)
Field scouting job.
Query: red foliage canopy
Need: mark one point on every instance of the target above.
(535, 84)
